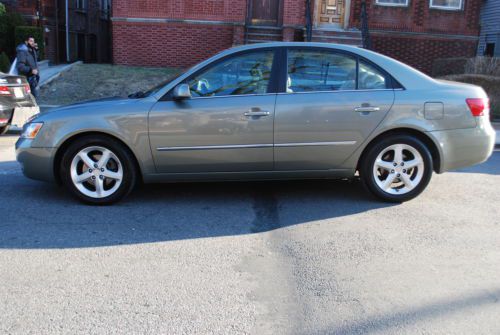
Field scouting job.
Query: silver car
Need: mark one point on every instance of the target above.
(267, 111)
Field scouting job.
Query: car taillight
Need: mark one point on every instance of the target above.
(27, 88)
(4, 90)
(479, 106)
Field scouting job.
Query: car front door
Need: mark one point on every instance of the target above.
(332, 102)
(227, 124)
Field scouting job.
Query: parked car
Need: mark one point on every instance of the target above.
(267, 111)
(15, 95)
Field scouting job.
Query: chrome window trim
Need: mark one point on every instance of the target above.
(343, 91)
(280, 93)
(235, 95)
(253, 146)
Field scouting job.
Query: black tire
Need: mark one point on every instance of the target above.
(126, 158)
(4, 129)
(368, 161)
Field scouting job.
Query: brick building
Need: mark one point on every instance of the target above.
(181, 33)
(89, 27)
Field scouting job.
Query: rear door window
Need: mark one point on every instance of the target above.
(320, 70)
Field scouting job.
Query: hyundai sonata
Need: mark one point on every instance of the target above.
(267, 111)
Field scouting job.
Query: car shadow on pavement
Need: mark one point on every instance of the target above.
(404, 318)
(43, 215)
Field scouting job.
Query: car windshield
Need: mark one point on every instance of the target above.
(153, 90)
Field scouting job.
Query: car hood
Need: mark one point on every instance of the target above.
(90, 106)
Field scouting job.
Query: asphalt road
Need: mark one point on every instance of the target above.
(251, 258)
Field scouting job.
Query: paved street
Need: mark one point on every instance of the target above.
(315, 257)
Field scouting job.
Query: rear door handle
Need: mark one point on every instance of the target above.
(366, 109)
(255, 111)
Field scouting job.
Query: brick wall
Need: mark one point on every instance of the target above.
(421, 51)
(215, 10)
(419, 17)
(168, 44)
(425, 34)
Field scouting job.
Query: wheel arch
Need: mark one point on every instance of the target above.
(422, 136)
(67, 142)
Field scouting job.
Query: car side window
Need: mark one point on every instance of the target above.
(248, 73)
(318, 70)
(370, 78)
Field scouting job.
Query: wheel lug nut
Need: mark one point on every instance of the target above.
(102, 169)
(392, 171)
(404, 171)
(395, 164)
(90, 170)
(93, 177)
(101, 177)
(402, 164)
(95, 165)
(399, 175)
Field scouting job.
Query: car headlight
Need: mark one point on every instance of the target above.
(31, 130)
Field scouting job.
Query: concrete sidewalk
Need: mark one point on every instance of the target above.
(50, 73)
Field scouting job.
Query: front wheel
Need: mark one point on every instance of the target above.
(397, 168)
(98, 170)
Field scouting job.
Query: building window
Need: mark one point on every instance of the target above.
(80, 4)
(447, 4)
(399, 3)
(489, 51)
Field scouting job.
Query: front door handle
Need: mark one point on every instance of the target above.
(255, 111)
(366, 109)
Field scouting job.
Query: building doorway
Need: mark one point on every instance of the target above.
(265, 12)
(330, 13)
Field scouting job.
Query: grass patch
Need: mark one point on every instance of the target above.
(94, 81)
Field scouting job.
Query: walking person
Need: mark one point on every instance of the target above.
(27, 64)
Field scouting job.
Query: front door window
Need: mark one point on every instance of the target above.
(241, 75)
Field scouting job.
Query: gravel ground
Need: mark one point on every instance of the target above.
(251, 258)
(94, 81)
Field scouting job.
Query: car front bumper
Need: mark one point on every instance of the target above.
(36, 163)
(465, 147)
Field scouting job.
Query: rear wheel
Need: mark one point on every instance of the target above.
(4, 129)
(98, 170)
(397, 168)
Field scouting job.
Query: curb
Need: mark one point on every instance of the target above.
(66, 68)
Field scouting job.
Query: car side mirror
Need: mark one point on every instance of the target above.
(181, 92)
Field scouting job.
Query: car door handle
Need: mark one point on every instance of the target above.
(256, 112)
(366, 109)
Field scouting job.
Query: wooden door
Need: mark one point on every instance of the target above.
(265, 12)
(331, 12)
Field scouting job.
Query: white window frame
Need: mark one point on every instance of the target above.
(392, 4)
(446, 8)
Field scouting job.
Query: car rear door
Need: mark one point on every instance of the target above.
(330, 104)
(227, 125)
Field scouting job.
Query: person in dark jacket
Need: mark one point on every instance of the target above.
(27, 64)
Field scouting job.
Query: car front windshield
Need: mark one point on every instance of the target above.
(154, 89)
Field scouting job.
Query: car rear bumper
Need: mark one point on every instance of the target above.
(465, 147)
(36, 163)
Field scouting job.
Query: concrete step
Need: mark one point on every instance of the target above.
(349, 37)
(264, 37)
(259, 34)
